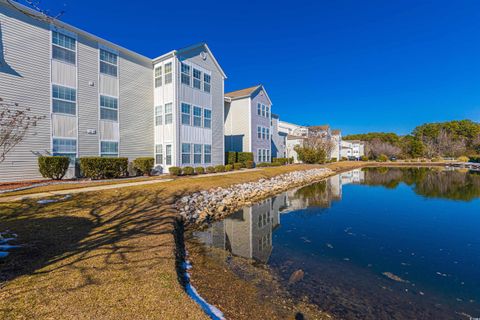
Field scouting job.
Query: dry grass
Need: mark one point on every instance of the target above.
(104, 255)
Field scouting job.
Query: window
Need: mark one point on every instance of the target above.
(259, 109)
(197, 153)
(168, 113)
(158, 77)
(268, 155)
(197, 116)
(206, 82)
(108, 108)
(207, 153)
(108, 63)
(267, 109)
(259, 132)
(158, 154)
(63, 48)
(185, 74)
(64, 100)
(168, 73)
(108, 148)
(158, 115)
(264, 132)
(168, 153)
(197, 78)
(268, 133)
(186, 150)
(263, 110)
(65, 147)
(186, 114)
(259, 155)
(207, 118)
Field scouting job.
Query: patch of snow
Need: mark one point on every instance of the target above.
(46, 201)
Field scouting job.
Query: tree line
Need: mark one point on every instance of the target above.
(444, 139)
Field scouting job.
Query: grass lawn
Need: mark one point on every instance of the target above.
(105, 255)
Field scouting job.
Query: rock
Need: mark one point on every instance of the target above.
(296, 276)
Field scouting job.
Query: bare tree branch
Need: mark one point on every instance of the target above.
(35, 5)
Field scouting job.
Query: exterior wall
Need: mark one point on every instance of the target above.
(262, 121)
(292, 129)
(25, 79)
(290, 149)
(337, 146)
(213, 100)
(278, 140)
(237, 125)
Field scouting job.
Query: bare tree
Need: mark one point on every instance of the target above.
(15, 122)
(315, 149)
(377, 147)
(445, 144)
(44, 14)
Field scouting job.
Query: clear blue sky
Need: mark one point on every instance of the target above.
(356, 65)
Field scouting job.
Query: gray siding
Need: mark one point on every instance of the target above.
(136, 108)
(25, 79)
(88, 103)
(259, 121)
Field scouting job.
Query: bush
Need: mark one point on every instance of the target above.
(264, 164)
(188, 171)
(238, 166)
(275, 164)
(229, 167)
(210, 170)
(282, 161)
(144, 165)
(244, 156)
(344, 159)
(199, 170)
(220, 168)
(333, 159)
(103, 167)
(364, 158)
(437, 159)
(290, 160)
(53, 167)
(463, 159)
(382, 158)
(249, 164)
(475, 159)
(175, 171)
(230, 157)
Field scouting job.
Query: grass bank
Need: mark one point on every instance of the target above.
(106, 254)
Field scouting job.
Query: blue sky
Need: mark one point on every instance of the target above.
(356, 65)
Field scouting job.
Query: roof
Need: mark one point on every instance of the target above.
(188, 49)
(243, 93)
(336, 132)
(292, 137)
(319, 128)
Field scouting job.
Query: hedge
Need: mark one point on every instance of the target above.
(103, 168)
(144, 165)
(199, 170)
(210, 169)
(220, 168)
(268, 164)
(53, 167)
(188, 171)
(282, 161)
(238, 166)
(249, 164)
(175, 171)
(230, 157)
(244, 156)
(228, 167)
(382, 158)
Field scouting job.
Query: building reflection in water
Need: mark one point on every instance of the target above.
(248, 232)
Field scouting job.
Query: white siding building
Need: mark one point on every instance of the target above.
(100, 99)
(352, 149)
(294, 136)
(248, 122)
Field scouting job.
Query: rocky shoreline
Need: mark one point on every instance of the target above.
(213, 204)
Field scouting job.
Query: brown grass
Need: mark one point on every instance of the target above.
(104, 255)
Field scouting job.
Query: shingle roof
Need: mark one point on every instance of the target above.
(336, 132)
(319, 128)
(243, 92)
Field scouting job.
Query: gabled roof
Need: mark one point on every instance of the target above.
(246, 93)
(336, 132)
(188, 49)
(319, 128)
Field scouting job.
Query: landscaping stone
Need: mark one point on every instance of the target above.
(207, 205)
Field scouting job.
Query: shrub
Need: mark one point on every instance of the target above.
(103, 167)
(344, 159)
(229, 167)
(437, 159)
(249, 164)
(244, 156)
(263, 164)
(200, 170)
(210, 169)
(282, 161)
(230, 157)
(144, 165)
(53, 167)
(475, 159)
(333, 159)
(463, 159)
(238, 166)
(220, 168)
(175, 171)
(188, 171)
(382, 158)
(290, 160)
(364, 158)
(275, 164)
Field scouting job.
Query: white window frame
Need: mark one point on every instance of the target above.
(207, 85)
(64, 100)
(184, 114)
(207, 154)
(168, 154)
(168, 75)
(62, 47)
(109, 154)
(199, 119)
(168, 114)
(197, 155)
(186, 153)
(65, 153)
(115, 65)
(185, 74)
(159, 115)
(159, 154)
(108, 108)
(158, 76)
(259, 109)
(198, 80)
(207, 119)
(259, 132)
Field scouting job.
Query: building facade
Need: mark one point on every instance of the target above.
(248, 126)
(99, 99)
(352, 149)
(279, 139)
(336, 138)
(294, 136)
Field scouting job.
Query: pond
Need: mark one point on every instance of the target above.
(377, 243)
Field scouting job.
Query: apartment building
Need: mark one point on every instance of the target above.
(279, 139)
(352, 149)
(294, 136)
(248, 126)
(100, 99)
(336, 138)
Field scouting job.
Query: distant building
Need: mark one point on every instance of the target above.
(248, 122)
(279, 139)
(294, 136)
(352, 149)
(337, 145)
